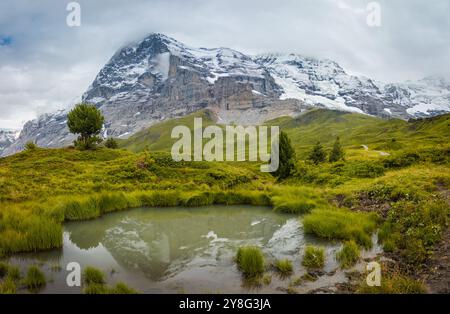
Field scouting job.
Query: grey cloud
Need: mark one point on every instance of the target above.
(48, 63)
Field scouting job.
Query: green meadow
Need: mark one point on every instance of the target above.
(394, 179)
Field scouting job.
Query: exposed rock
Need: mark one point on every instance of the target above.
(159, 78)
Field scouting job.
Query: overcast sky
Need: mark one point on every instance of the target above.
(45, 65)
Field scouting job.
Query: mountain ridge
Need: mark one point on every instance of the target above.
(159, 78)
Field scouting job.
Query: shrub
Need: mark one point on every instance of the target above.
(348, 255)
(337, 153)
(250, 261)
(111, 143)
(341, 224)
(412, 229)
(363, 169)
(92, 275)
(317, 154)
(314, 257)
(284, 267)
(35, 279)
(30, 146)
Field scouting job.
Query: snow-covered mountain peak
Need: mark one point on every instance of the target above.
(158, 78)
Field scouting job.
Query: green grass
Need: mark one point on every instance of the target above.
(122, 288)
(313, 257)
(95, 288)
(3, 269)
(40, 189)
(336, 223)
(348, 255)
(296, 200)
(413, 228)
(284, 267)
(250, 261)
(35, 279)
(95, 283)
(8, 286)
(92, 275)
(13, 273)
(394, 284)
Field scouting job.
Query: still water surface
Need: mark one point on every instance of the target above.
(182, 250)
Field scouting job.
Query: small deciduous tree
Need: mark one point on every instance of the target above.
(87, 121)
(317, 154)
(337, 153)
(286, 157)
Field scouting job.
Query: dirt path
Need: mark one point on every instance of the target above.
(377, 151)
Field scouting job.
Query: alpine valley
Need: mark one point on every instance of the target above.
(159, 78)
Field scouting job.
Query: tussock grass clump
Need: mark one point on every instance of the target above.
(197, 199)
(8, 286)
(95, 282)
(3, 269)
(250, 261)
(394, 284)
(35, 279)
(23, 231)
(96, 288)
(284, 267)
(122, 288)
(348, 255)
(81, 208)
(242, 197)
(341, 224)
(92, 275)
(267, 279)
(13, 273)
(296, 200)
(314, 257)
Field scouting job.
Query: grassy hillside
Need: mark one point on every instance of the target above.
(158, 137)
(356, 130)
(401, 194)
(321, 125)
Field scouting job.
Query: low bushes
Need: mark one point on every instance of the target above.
(250, 261)
(284, 267)
(341, 224)
(412, 229)
(314, 257)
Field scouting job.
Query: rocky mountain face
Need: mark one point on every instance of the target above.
(159, 78)
(7, 137)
